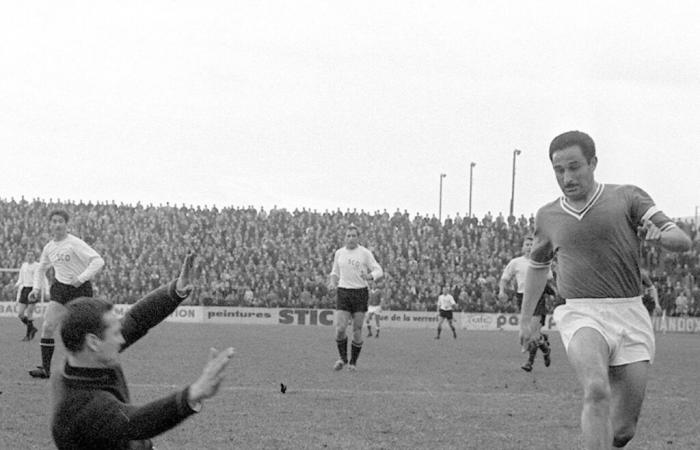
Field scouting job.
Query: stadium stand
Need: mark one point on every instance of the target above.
(280, 258)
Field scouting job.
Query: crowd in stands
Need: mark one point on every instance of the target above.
(278, 258)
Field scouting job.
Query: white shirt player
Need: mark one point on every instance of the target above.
(349, 266)
(516, 268)
(446, 302)
(26, 278)
(26, 274)
(71, 258)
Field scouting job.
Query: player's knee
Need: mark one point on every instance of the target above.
(47, 328)
(596, 390)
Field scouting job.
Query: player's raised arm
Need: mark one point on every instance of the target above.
(157, 305)
(183, 285)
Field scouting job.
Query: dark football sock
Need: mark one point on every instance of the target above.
(533, 353)
(343, 349)
(439, 331)
(47, 347)
(355, 352)
(23, 319)
(544, 344)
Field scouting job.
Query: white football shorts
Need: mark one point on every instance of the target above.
(624, 323)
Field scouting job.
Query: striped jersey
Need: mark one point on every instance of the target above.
(597, 247)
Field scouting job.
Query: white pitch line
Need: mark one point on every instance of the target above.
(351, 392)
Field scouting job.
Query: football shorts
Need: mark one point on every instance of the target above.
(352, 300)
(624, 323)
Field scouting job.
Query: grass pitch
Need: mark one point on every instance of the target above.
(410, 391)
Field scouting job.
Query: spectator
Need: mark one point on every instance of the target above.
(277, 254)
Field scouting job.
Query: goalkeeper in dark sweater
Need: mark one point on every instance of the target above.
(91, 399)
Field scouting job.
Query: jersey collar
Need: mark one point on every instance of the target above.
(579, 213)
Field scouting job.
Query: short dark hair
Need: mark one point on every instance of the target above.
(571, 138)
(352, 226)
(59, 212)
(85, 316)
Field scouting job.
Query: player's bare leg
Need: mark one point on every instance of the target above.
(26, 315)
(588, 354)
(31, 329)
(628, 385)
(369, 324)
(23, 318)
(52, 320)
(439, 327)
(451, 322)
(342, 318)
(376, 321)
(358, 319)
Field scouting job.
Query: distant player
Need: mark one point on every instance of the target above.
(446, 305)
(75, 263)
(374, 310)
(650, 296)
(595, 231)
(24, 284)
(353, 267)
(515, 270)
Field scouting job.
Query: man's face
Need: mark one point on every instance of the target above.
(574, 174)
(58, 226)
(351, 239)
(31, 257)
(107, 348)
(527, 246)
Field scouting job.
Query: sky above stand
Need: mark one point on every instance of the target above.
(325, 105)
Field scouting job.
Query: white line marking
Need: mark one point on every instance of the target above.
(351, 392)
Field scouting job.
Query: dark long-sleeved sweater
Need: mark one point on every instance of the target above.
(92, 409)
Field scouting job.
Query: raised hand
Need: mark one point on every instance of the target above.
(212, 375)
(184, 281)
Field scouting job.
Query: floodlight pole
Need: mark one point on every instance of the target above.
(442, 175)
(471, 173)
(516, 152)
